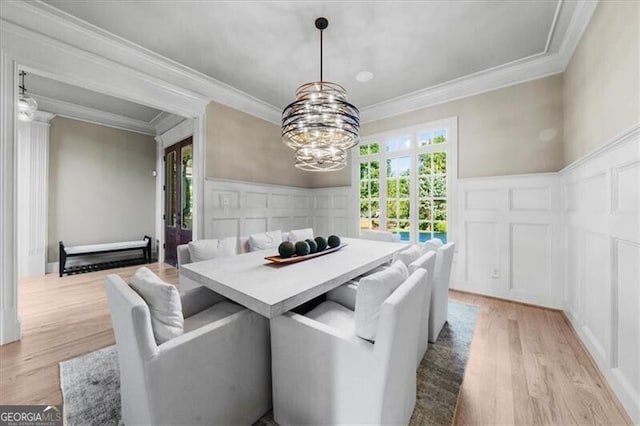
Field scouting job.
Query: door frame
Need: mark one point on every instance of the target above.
(185, 129)
(178, 230)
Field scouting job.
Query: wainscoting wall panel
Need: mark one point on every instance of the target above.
(243, 208)
(511, 239)
(601, 218)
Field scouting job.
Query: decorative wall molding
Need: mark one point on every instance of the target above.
(626, 136)
(94, 116)
(507, 244)
(601, 220)
(235, 208)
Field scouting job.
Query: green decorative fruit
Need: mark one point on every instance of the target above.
(302, 248)
(286, 249)
(322, 243)
(334, 241)
(312, 245)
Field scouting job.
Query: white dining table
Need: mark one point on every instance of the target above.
(271, 289)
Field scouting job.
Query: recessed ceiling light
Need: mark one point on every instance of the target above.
(363, 76)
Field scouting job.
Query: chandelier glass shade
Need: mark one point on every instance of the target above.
(27, 106)
(320, 125)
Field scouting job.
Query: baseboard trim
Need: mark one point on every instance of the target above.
(505, 299)
(623, 400)
(11, 329)
(52, 267)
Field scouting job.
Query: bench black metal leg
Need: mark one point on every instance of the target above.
(147, 249)
(62, 258)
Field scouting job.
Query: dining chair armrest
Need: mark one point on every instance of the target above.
(344, 295)
(197, 299)
(340, 367)
(231, 353)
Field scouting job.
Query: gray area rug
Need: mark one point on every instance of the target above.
(91, 384)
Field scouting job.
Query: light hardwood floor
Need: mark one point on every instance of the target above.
(526, 365)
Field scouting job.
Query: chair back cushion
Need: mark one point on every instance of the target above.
(265, 240)
(372, 291)
(408, 255)
(427, 262)
(431, 245)
(164, 304)
(208, 249)
(300, 234)
(184, 258)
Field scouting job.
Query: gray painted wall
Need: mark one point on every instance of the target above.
(101, 187)
(602, 81)
(514, 130)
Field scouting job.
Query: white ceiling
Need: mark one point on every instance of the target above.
(266, 49)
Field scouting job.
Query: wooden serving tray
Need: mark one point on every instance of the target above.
(295, 258)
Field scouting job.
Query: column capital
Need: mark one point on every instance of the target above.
(43, 117)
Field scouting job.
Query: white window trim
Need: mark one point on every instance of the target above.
(450, 147)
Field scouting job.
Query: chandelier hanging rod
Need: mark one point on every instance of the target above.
(321, 24)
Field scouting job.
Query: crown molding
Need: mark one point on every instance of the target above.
(94, 116)
(533, 67)
(165, 121)
(45, 19)
(578, 24)
(481, 82)
(40, 54)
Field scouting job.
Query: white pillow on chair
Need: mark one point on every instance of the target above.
(208, 249)
(265, 240)
(408, 255)
(300, 234)
(164, 304)
(372, 291)
(431, 245)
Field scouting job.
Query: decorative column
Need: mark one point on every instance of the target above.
(32, 154)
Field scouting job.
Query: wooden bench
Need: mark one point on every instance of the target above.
(94, 249)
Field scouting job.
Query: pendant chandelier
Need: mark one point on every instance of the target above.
(320, 125)
(27, 106)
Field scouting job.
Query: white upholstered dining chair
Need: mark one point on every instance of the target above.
(197, 251)
(426, 262)
(217, 372)
(324, 373)
(439, 309)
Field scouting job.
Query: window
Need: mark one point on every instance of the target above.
(406, 179)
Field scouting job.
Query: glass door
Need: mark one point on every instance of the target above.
(178, 217)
